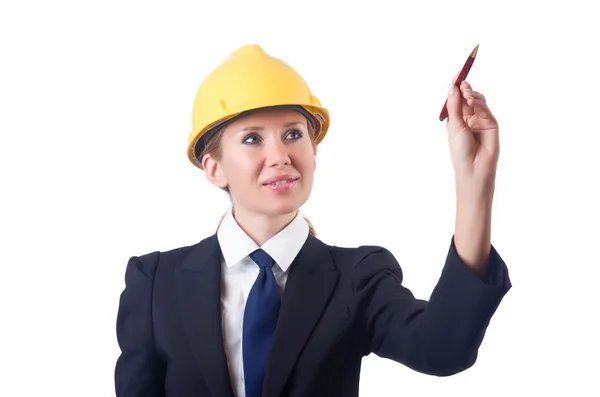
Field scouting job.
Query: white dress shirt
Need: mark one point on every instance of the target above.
(239, 272)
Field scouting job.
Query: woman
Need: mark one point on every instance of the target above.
(263, 307)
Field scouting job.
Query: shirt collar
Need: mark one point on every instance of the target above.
(236, 245)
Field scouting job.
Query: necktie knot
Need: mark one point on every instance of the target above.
(262, 259)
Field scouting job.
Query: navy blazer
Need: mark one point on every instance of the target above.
(339, 305)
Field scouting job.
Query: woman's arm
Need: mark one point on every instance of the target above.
(473, 227)
(437, 337)
(139, 372)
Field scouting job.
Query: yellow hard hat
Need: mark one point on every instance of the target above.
(250, 79)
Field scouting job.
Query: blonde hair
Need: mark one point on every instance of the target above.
(214, 148)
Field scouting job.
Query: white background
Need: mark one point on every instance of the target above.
(95, 109)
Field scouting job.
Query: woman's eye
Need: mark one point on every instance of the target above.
(250, 139)
(295, 134)
(254, 139)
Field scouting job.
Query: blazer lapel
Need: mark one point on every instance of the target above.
(312, 279)
(199, 290)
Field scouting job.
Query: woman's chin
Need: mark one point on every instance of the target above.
(283, 205)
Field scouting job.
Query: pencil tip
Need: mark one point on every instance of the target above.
(474, 53)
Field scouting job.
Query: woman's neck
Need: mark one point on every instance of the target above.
(261, 227)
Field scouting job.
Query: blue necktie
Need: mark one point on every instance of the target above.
(260, 319)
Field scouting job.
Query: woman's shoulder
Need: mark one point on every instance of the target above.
(364, 262)
(173, 256)
(354, 255)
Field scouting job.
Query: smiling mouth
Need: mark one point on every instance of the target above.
(282, 185)
(281, 182)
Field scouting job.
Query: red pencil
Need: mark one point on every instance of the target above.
(461, 77)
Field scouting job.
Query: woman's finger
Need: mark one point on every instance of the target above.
(468, 91)
(455, 106)
(479, 107)
(474, 102)
(474, 94)
(467, 110)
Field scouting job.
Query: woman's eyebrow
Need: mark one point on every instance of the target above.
(259, 128)
(292, 123)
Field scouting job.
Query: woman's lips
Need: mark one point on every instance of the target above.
(282, 184)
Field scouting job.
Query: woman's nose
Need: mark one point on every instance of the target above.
(277, 153)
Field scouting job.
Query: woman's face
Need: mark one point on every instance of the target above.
(268, 162)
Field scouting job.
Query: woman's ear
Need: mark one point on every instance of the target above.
(214, 172)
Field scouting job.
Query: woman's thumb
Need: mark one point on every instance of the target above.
(454, 105)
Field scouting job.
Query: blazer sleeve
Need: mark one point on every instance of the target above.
(437, 337)
(139, 372)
